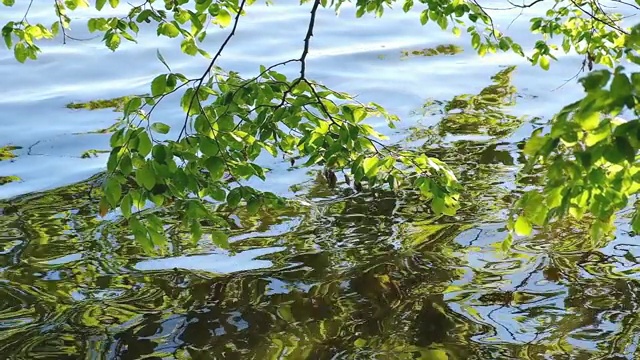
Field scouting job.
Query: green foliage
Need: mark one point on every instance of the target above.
(588, 156)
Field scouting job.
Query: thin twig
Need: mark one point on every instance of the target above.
(594, 17)
(59, 11)
(210, 67)
(24, 18)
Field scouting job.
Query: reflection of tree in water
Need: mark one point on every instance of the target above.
(331, 300)
(343, 280)
(444, 49)
(7, 153)
(368, 275)
(484, 113)
(360, 277)
(486, 164)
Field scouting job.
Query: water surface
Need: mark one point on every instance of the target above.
(345, 274)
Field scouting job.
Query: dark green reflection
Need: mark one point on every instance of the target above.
(448, 49)
(117, 104)
(7, 153)
(372, 275)
(486, 112)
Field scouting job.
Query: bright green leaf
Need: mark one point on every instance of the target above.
(522, 226)
(160, 127)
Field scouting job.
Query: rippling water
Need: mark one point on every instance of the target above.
(367, 275)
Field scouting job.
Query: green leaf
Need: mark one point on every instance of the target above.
(624, 147)
(566, 45)
(595, 80)
(517, 49)
(437, 205)
(146, 177)
(160, 127)
(522, 226)
(475, 40)
(223, 18)
(544, 62)
(588, 120)
(113, 191)
(208, 146)
(219, 238)
(144, 144)
(159, 85)
(112, 40)
(218, 194)
(408, 4)
(233, 197)
(132, 105)
(125, 164)
(55, 28)
(20, 52)
(360, 342)
(443, 22)
(188, 46)
(141, 234)
(621, 86)
(125, 206)
(159, 153)
(216, 167)
(534, 144)
(253, 205)
(100, 4)
(196, 231)
(370, 166)
(117, 139)
(424, 17)
(168, 29)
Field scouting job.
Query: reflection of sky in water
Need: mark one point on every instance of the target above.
(221, 263)
(235, 318)
(277, 286)
(64, 259)
(273, 231)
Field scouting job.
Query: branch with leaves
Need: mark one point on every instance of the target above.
(232, 123)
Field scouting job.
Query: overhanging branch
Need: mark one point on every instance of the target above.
(200, 80)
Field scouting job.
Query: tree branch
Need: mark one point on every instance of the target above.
(208, 70)
(307, 38)
(524, 6)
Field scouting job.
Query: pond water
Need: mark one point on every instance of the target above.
(344, 275)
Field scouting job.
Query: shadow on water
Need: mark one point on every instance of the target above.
(362, 276)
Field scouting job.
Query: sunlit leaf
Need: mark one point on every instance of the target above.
(522, 226)
(160, 127)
